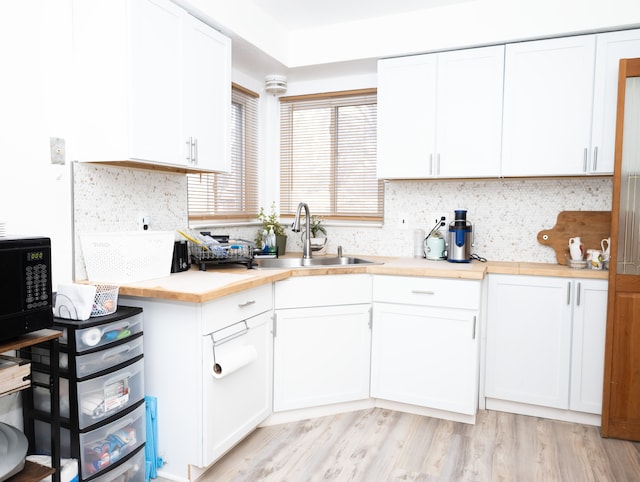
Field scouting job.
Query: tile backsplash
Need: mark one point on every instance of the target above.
(506, 214)
(108, 198)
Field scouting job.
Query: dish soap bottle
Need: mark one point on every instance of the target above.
(271, 240)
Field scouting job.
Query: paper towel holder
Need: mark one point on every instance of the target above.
(216, 367)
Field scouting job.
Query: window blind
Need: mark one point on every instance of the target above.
(328, 155)
(232, 195)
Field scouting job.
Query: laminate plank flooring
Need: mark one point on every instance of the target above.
(383, 445)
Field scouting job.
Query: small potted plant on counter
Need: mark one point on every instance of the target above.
(318, 243)
(271, 223)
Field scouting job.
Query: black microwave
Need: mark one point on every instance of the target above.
(25, 285)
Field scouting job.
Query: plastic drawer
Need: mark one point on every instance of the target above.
(108, 444)
(132, 470)
(94, 362)
(102, 447)
(99, 397)
(100, 335)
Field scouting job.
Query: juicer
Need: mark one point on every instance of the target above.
(460, 238)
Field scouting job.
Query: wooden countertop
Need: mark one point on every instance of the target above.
(200, 286)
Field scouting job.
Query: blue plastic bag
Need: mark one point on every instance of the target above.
(153, 462)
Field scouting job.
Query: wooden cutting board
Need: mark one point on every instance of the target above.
(591, 226)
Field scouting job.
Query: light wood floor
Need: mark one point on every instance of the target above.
(383, 445)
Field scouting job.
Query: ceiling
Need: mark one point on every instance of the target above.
(301, 14)
(309, 40)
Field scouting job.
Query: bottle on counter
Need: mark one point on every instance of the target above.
(271, 237)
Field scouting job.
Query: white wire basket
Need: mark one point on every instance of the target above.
(106, 300)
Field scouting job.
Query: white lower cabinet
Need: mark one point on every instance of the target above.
(425, 342)
(202, 415)
(587, 345)
(322, 341)
(545, 341)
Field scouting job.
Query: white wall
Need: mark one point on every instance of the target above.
(35, 196)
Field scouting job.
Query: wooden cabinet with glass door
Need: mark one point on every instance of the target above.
(621, 400)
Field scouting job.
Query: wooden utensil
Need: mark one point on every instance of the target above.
(591, 226)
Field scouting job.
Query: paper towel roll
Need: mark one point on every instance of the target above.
(232, 360)
(91, 337)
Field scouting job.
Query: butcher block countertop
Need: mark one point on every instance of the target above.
(201, 286)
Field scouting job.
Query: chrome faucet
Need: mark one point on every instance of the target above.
(306, 243)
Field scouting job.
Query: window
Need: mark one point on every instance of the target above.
(328, 155)
(232, 195)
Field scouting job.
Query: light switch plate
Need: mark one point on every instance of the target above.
(57, 150)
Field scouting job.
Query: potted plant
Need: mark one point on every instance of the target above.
(318, 243)
(270, 222)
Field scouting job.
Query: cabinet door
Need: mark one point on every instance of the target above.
(611, 47)
(155, 97)
(321, 356)
(207, 96)
(236, 403)
(469, 120)
(406, 117)
(547, 106)
(529, 340)
(425, 356)
(587, 353)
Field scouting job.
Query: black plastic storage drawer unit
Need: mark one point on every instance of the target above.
(102, 409)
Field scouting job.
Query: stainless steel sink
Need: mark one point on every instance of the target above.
(287, 263)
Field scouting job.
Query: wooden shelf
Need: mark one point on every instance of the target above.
(33, 472)
(29, 339)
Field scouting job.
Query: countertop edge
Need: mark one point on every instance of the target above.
(402, 266)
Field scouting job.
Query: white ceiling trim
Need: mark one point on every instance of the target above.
(455, 25)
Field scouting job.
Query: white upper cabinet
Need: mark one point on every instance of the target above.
(440, 115)
(153, 86)
(406, 116)
(610, 48)
(207, 96)
(154, 99)
(547, 106)
(560, 104)
(469, 119)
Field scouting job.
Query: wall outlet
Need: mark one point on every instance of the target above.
(144, 220)
(437, 217)
(403, 223)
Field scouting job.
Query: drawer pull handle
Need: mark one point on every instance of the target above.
(248, 303)
(423, 292)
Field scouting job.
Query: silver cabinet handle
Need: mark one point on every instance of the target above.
(475, 322)
(595, 158)
(430, 164)
(438, 164)
(569, 293)
(189, 153)
(584, 161)
(578, 294)
(275, 324)
(195, 150)
(423, 292)
(247, 303)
